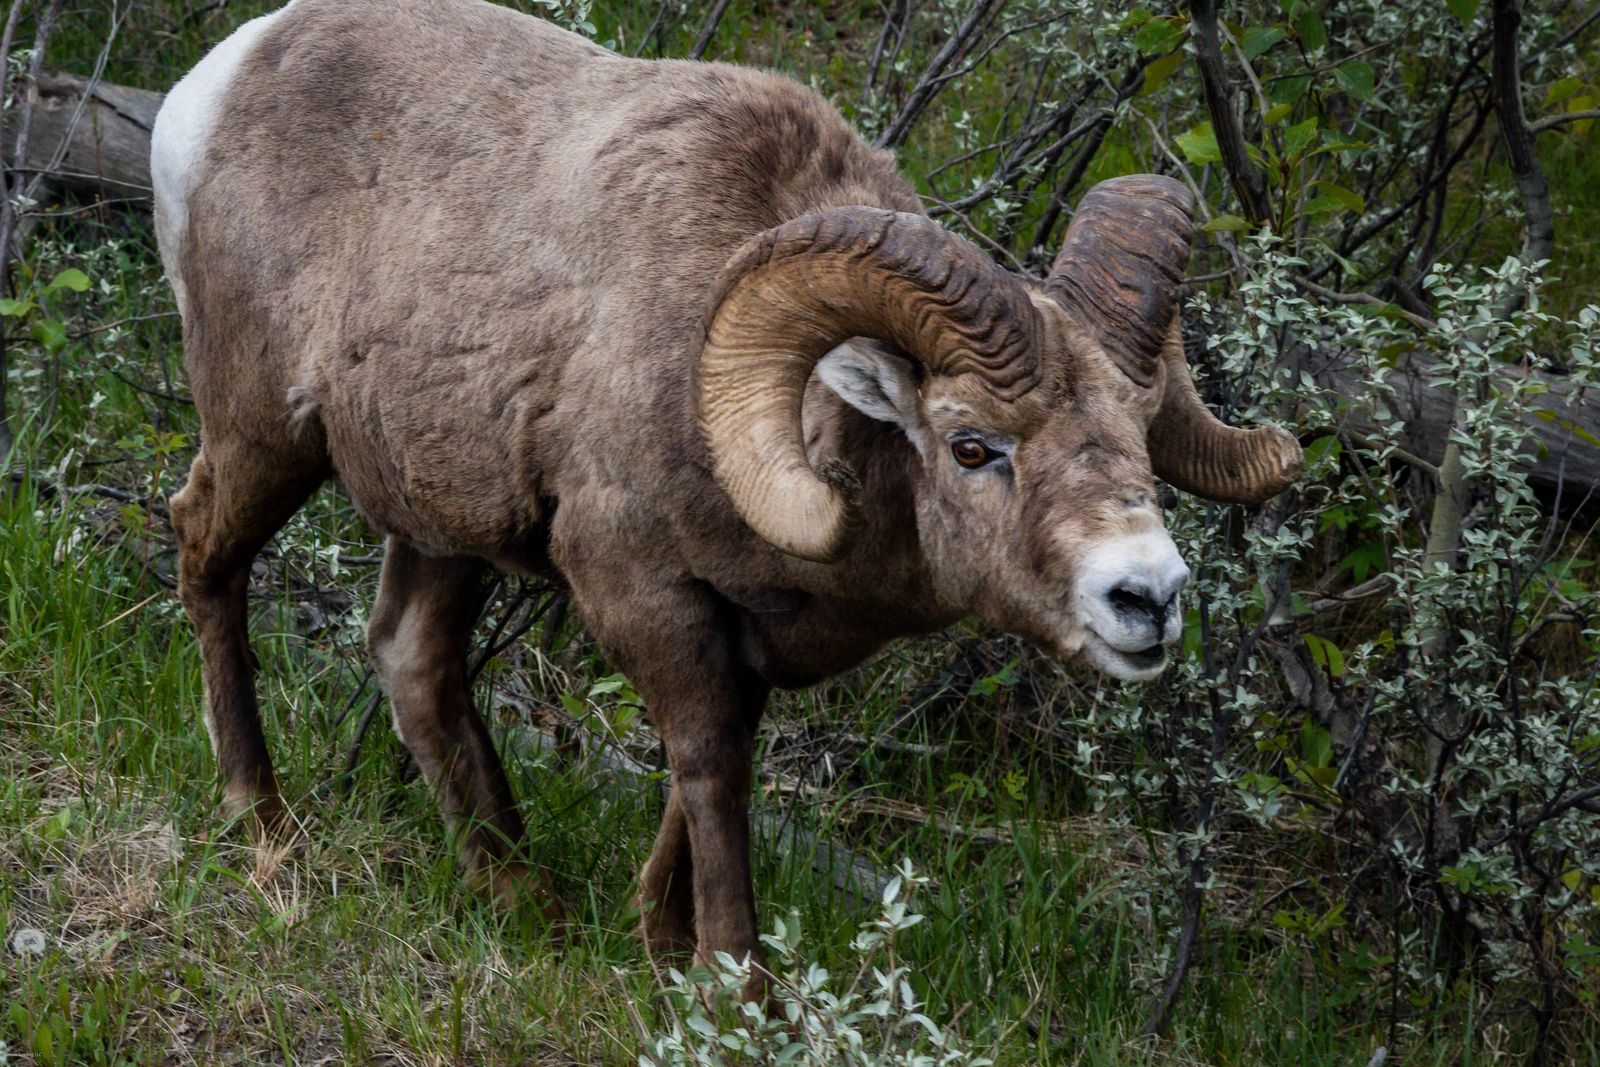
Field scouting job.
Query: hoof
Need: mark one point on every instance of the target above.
(262, 816)
(667, 933)
(517, 889)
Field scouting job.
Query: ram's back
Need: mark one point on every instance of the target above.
(472, 250)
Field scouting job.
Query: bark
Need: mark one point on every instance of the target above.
(1563, 458)
(1539, 235)
(107, 152)
(1249, 184)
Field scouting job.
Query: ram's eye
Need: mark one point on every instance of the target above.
(971, 454)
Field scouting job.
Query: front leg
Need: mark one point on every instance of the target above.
(674, 639)
(710, 756)
(696, 890)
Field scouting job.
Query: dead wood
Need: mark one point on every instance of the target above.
(1563, 460)
(106, 152)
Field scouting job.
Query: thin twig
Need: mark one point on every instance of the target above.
(103, 327)
(709, 30)
(655, 24)
(1551, 121)
(928, 86)
(1421, 322)
(84, 97)
(353, 754)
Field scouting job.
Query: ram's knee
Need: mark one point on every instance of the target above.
(190, 506)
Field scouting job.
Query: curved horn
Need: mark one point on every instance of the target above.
(792, 294)
(1199, 453)
(1121, 264)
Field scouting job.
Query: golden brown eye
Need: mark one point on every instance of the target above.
(970, 454)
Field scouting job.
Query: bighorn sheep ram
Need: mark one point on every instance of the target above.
(672, 333)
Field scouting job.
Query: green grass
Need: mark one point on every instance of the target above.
(167, 937)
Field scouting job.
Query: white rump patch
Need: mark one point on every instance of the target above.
(183, 127)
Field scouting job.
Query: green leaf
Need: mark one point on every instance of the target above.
(1300, 136)
(1199, 145)
(1258, 40)
(49, 333)
(1332, 143)
(1568, 425)
(15, 309)
(1316, 741)
(1361, 561)
(1137, 17)
(1226, 224)
(1325, 446)
(1562, 89)
(1160, 36)
(1278, 112)
(1348, 197)
(1157, 73)
(71, 278)
(1312, 34)
(1356, 79)
(1326, 654)
(1581, 103)
(1323, 205)
(1288, 90)
(1390, 353)
(1465, 10)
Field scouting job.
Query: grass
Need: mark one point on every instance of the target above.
(169, 941)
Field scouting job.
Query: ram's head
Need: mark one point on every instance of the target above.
(1042, 413)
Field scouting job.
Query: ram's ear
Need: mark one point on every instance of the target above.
(876, 381)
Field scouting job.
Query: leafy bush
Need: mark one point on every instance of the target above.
(874, 1020)
(1446, 757)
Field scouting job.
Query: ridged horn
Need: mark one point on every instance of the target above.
(1199, 453)
(792, 294)
(1121, 265)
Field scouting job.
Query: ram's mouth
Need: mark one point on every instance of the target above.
(1136, 666)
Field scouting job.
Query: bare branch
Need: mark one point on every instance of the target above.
(954, 48)
(13, 185)
(650, 34)
(1539, 237)
(1249, 184)
(709, 30)
(1552, 121)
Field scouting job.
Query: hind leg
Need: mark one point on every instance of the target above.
(236, 498)
(418, 640)
(666, 886)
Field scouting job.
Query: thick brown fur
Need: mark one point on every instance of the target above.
(459, 259)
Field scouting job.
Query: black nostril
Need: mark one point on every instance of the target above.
(1132, 602)
(1128, 600)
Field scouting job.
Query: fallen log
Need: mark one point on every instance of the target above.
(93, 140)
(1563, 456)
(100, 144)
